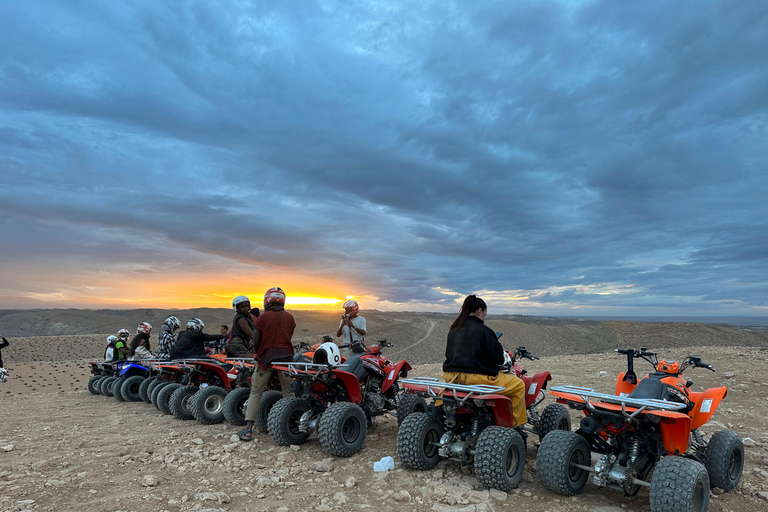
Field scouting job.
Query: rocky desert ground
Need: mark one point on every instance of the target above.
(62, 448)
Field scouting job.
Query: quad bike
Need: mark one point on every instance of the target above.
(554, 416)
(97, 374)
(646, 435)
(130, 375)
(338, 398)
(470, 424)
(166, 374)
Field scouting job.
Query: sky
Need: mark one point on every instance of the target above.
(553, 157)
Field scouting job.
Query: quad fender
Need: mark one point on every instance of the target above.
(533, 384)
(706, 404)
(623, 388)
(675, 431)
(129, 370)
(351, 383)
(502, 409)
(395, 371)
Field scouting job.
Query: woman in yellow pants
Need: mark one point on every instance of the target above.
(474, 355)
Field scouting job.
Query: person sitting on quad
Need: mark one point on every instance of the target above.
(190, 344)
(121, 346)
(474, 355)
(242, 328)
(109, 352)
(352, 327)
(2, 346)
(140, 347)
(271, 342)
(166, 339)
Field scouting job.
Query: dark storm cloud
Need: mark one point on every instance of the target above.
(544, 148)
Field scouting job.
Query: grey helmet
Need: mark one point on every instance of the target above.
(195, 324)
(171, 324)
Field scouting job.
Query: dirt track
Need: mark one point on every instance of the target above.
(70, 450)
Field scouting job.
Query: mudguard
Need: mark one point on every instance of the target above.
(394, 372)
(501, 405)
(624, 388)
(351, 384)
(534, 384)
(706, 404)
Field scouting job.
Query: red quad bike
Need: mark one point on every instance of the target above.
(554, 416)
(470, 424)
(646, 435)
(338, 400)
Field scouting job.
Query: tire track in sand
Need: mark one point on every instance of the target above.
(429, 331)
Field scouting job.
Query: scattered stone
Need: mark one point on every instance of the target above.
(286, 457)
(8, 447)
(234, 439)
(351, 481)
(196, 440)
(729, 375)
(497, 494)
(763, 494)
(748, 441)
(149, 481)
(324, 466)
(295, 447)
(402, 496)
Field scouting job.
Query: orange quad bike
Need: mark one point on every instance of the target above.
(646, 435)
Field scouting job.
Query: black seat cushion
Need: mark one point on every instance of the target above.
(649, 388)
(356, 367)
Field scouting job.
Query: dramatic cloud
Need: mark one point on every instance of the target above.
(598, 156)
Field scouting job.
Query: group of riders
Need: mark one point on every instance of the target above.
(473, 354)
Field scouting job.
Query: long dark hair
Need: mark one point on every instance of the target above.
(136, 340)
(471, 304)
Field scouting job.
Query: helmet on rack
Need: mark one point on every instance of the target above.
(171, 324)
(239, 300)
(144, 328)
(327, 353)
(124, 334)
(275, 294)
(195, 324)
(112, 339)
(351, 304)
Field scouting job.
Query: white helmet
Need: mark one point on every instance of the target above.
(111, 339)
(196, 324)
(239, 300)
(172, 324)
(507, 362)
(327, 353)
(3, 375)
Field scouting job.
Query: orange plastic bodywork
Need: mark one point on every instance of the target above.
(701, 399)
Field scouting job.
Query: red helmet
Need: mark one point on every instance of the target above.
(144, 328)
(275, 294)
(353, 305)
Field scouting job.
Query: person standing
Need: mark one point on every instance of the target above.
(352, 329)
(271, 342)
(473, 355)
(242, 329)
(166, 339)
(2, 346)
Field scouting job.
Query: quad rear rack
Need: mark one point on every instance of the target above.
(641, 404)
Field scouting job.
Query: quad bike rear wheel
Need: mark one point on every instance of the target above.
(408, 404)
(130, 388)
(725, 460)
(679, 485)
(554, 417)
(157, 390)
(180, 402)
(268, 400)
(106, 386)
(342, 429)
(152, 385)
(116, 389)
(283, 421)
(164, 396)
(417, 441)
(555, 462)
(235, 404)
(207, 406)
(92, 384)
(500, 458)
(144, 389)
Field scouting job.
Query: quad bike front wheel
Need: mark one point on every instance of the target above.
(180, 402)
(116, 389)
(208, 405)
(268, 400)
(556, 462)
(235, 404)
(408, 404)
(725, 460)
(164, 396)
(418, 440)
(92, 385)
(130, 388)
(554, 417)
(500, 458)
(342, 429)
(679, 485)
(283, 421)
(144, 389)
(106, 386)
(156, 390)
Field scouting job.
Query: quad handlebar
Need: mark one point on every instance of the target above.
(649, 356)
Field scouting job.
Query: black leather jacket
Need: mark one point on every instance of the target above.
(473, 348)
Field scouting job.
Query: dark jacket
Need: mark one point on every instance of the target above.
(473, 348)
(2, 346)
(190, 344)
